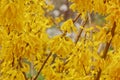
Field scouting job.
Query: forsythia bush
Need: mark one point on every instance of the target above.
(25, 46)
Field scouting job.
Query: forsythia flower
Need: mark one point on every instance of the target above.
(25, 47)
(68, 26)
(61, 45)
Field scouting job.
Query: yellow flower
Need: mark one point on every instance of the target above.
(61, 45)
(68, 26)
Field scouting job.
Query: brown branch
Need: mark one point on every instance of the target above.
(106, 49)
(79, 34)
(89, 19)
(80, 31)
(108, 43)
(98, 74)
(90, 23)
(76, 18)
(42, 66)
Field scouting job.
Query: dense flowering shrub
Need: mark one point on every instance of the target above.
(26, 48)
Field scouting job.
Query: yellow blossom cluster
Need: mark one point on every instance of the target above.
(25, 45)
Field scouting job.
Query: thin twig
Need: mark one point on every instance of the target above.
(83, 23)
(76, 18)
(42, 66)
(98, 74)
(90, 23)
(108, 43)
(89, 19)
(106, 49)
(80, 31)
